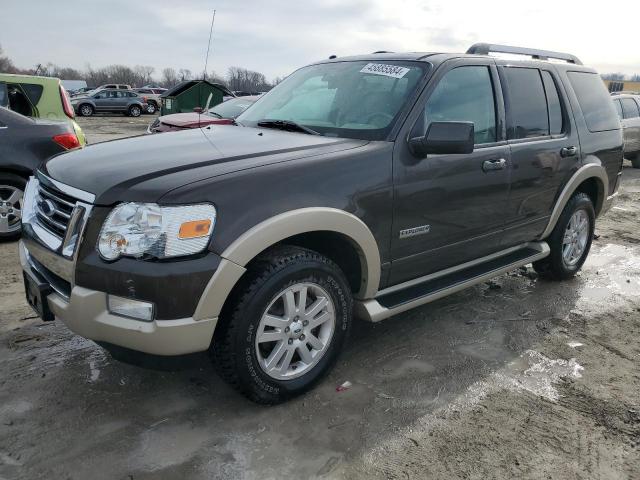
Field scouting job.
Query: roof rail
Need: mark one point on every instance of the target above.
(487, 48)
(381, 51)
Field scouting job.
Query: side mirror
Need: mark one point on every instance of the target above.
(444, 138)
(198, 109)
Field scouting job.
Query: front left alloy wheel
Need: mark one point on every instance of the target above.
(135, 111)
(284, 325)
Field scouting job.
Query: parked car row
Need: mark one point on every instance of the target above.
(149, 99)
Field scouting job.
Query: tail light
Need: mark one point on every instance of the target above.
(66, 104)
(67, 140)
(144, 99)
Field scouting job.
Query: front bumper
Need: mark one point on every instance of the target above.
(74, 286)
(85, 312)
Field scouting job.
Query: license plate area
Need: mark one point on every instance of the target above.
(37, 292)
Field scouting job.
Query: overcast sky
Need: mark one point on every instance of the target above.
(277, 36)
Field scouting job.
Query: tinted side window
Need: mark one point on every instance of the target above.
(553, 103)
(527, 104)
(594, 100)
(465, 94)
(33, 92)
(629, 108)
(616, 103)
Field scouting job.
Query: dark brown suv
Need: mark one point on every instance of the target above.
(364, 185)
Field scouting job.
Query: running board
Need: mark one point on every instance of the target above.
(411, 294)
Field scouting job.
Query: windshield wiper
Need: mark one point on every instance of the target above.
(214, 114)
(287, 125)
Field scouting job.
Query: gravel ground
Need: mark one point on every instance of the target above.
(515, 378)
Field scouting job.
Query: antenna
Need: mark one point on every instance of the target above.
(206, 61)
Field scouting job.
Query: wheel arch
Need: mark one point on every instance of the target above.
(305, 227)
(591, 179)
(82, 104)
(17, 170)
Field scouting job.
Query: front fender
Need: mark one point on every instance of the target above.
(278, 228)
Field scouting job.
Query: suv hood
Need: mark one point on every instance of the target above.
(145, 168)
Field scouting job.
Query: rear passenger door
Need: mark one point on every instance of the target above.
(630, 125)
(449, 209)
(545, 150)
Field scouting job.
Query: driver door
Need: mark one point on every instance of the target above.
(449, 209)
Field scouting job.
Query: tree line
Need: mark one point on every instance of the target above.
(621, 77)
(237, 78)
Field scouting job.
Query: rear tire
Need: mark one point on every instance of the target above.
(635, 160)
(570, 240)
(85, 110)
(290, 299)
(11, 195)
(135, 111)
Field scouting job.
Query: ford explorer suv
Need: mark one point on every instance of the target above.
(628, 108)
(360, 186)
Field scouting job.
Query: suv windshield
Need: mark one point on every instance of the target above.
(343, 99)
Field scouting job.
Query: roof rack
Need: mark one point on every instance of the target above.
(487, 48)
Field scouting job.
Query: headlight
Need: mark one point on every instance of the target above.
(147, 229)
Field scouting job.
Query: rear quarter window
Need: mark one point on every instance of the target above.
(595, 102)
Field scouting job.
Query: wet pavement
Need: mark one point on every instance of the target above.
(518, 377)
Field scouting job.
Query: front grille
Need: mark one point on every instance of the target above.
(54, 209)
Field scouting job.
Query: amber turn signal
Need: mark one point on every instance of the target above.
(195, 229)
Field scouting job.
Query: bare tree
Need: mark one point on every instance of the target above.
(613, 76)
(213, 77)
(6, 65)
(185, 74)
(169, 77)
(144, 74)
(239, 78)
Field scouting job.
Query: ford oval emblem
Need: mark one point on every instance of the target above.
(48, 208)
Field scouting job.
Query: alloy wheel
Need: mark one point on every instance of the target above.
(575, 238)
(10, 208)
(295, 331)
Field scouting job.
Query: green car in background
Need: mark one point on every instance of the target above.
(38, 97)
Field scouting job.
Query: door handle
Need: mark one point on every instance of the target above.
(491, 165)
(568, 151)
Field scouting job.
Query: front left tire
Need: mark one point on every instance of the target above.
(135, 111)
(284, 325)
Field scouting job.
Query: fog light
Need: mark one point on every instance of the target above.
(130, 308)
